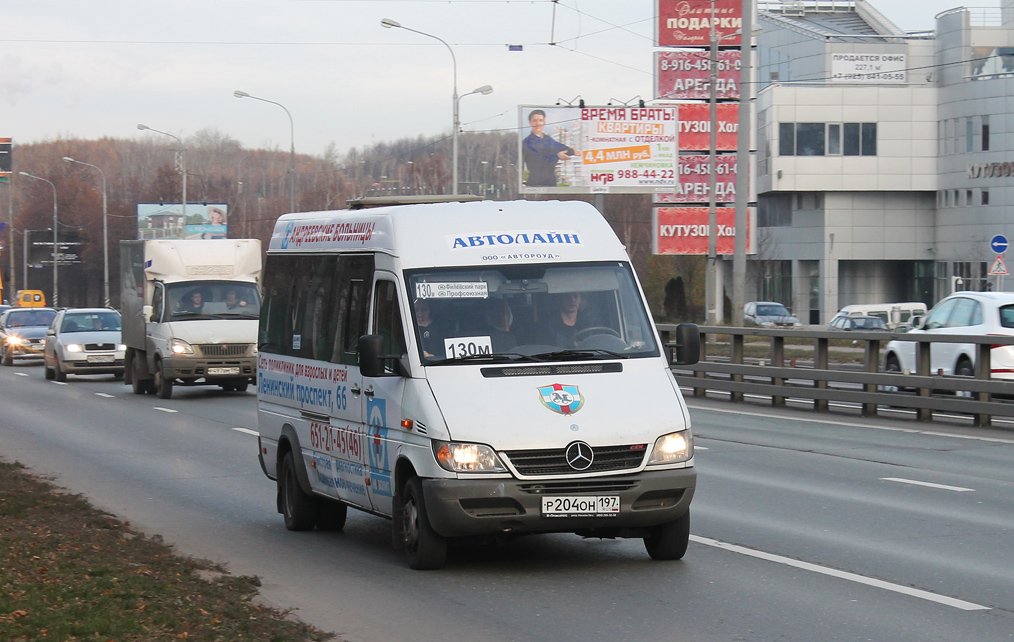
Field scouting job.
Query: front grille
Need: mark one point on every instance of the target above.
(93, 347)
(584, 486)
(554, 461)
(537, 371)
(224, 349)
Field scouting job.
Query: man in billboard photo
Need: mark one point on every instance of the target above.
(541, 153)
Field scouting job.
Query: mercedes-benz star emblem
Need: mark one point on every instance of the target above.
(579, 455)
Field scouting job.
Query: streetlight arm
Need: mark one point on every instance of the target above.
(292, 144)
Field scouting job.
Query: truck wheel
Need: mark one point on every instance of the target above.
(424, 548)
(241, 386)
(330, 515)
(137, 383)
(669, 541)
(298, 508)
(163, 385)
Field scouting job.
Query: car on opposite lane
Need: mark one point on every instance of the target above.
(971, 313)
(21, 333)
(83, 341)
(769, 314)
(858, 323)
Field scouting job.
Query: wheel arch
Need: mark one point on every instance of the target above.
(288, 442)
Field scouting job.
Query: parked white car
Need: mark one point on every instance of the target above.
(84, 341)
(973, 313)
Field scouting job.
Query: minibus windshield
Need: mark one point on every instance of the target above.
(559, 312)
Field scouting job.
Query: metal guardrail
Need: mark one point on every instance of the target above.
(865, 384)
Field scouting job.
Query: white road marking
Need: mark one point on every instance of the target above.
(699, 448)
(103, 394)
(900, 480)
(165, 409)
(754, 413)
(58, 383)
(248, 431)
(21, 374)
(845, 575)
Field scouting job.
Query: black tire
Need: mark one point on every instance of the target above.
(138, 384)
(118, 375)
(891, 364)
(8, 357)
(163, 384)
(241, 386)
(50, 374)
(669, 541)
(424, 548)
(331, 514)
(964, 369)
(298, 509)
(59, 374)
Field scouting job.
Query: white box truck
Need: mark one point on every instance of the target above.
(190, 310)
(470, 370)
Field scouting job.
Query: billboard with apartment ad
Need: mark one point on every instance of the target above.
(585, 150)
(167, 221)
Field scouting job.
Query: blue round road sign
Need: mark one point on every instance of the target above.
(998, 244)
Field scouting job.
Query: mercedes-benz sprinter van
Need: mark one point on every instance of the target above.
(471, 370)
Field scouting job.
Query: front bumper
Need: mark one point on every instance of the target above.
(27, 350)
(463, 507)
(177, 367)
(82, 366)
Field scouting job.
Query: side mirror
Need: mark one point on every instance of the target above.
(916, 321)
(688, 344)
(146, 313)
(371, 355)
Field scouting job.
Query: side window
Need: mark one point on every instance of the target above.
(351, 305)
(275, 334)
(157, 298)
(938, 316)
(963, 313)
(387, 317)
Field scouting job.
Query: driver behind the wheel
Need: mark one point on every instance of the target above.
(569, 318)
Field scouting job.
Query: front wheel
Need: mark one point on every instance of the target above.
(50, 374)
(298, 508)
(8, 357)
(59, 374)
(163, 384)
(669, 541)
(424, 548)
(964, 369)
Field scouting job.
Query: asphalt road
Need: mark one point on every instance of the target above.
(804, 528)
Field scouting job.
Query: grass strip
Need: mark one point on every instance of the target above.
(69, 571)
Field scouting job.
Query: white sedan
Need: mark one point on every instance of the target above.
(84, 341)
(972, 313)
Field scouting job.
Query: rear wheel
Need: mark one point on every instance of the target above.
(424, 548)
(138, 383)
(163, 384)
(669, 541)
(330, 514)
(964, 369)
(298, 508)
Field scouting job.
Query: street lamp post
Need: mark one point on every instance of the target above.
(292, 145)
(56, 270)
(181, 163)
(105, 230)
(711, 275)
(387, 23)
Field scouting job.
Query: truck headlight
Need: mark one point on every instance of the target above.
(467, 458)
(182, 347)
(73, 347)
(673, 448)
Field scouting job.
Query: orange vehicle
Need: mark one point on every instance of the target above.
(29, 299)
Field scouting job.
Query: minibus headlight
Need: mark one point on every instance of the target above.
(182, 347)
(467, 458)
(673, 448)
(14, 340)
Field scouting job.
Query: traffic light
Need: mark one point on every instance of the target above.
(5, 159)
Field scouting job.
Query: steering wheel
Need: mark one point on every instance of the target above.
(583, 334)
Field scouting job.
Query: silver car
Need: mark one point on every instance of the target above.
(21, 332)
(84, 341)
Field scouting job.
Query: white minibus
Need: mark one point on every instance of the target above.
(478, 370)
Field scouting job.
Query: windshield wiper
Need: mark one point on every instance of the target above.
(584, 353)
(496, 356)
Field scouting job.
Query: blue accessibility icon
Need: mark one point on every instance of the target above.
(998, 244)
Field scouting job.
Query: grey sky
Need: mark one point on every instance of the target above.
(92, 69)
